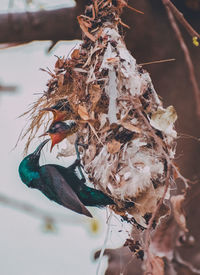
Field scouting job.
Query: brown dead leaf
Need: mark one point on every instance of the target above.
(163, 119)
(179, 215)
(59, 63)
(95, 95)
(84, 28)
(113, 146)
(157, 264)
(131, 127)
(83, 113)
(75, 54)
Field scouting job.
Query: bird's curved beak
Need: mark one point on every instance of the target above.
(37, 152)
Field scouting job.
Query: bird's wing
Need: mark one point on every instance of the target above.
(66, 194)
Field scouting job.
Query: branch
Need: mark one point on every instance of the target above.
(53, 25)
(179, 16)
(36, 212)
(168, 5)
(4, 88)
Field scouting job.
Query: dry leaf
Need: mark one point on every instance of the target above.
(75, 54)
(84, 29)
(95, 95)
(163, 119)
(179, 214)
(113, 146)
(131, 127)
(59, 63)
(83, 113)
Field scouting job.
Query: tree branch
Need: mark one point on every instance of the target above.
(4, 88)
(186, 54)
(53, 25)
(35, 211)
(179, 16)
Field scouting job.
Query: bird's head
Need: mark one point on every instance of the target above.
(29, 165)
(60, 130)
(33, 159)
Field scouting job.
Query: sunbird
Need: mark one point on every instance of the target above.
(61, 184)
(60, 130)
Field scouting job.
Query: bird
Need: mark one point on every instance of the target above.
(61, 184)
(61, 110)
(59, 130)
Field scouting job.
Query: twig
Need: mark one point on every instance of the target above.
(133, 9)
(179, 16)
(4, 88)
(34, 211)
(105, 242)
(168, 5)
(157, 62)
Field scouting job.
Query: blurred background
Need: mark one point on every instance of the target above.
(59, 241)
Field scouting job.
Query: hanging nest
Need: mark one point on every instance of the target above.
(130, 136)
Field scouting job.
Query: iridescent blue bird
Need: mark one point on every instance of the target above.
(61, 184)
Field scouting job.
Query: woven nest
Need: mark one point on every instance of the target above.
(130, 137)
